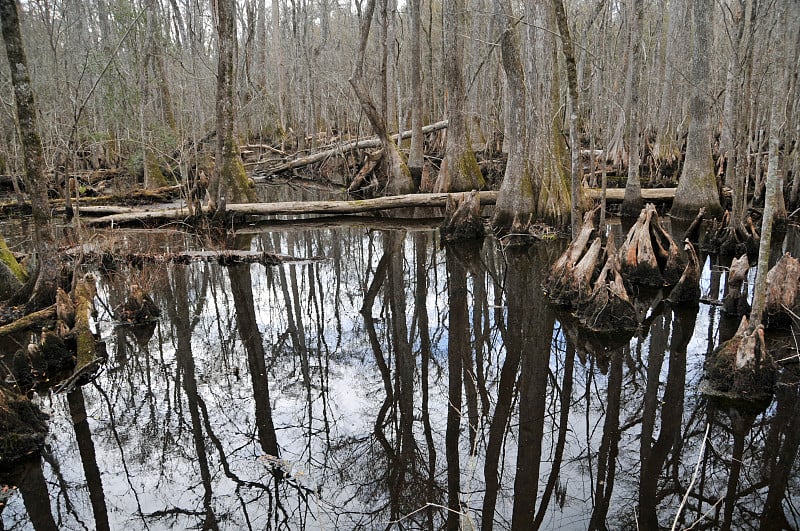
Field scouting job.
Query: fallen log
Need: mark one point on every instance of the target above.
(618, 194)
(295, 207)
(223, 257)
(367, 143)
(29, 321)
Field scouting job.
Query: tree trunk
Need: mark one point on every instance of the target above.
(229, 183)
(632, 203)
(459, 171)
(44, 287)
(572, 83)
(516, 203)
(697, 186)
(415, 156)
(398, 177)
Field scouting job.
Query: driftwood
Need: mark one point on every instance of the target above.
(735, 301)
(223, 257)
(294, 207)
(741, 368)
(463, 217)
(687, 291)
(367, 143)
(649, 256)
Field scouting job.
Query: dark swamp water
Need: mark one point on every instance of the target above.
(314, 395)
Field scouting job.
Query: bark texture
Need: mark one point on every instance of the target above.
(697, 186)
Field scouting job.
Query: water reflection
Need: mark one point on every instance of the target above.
(401, 383)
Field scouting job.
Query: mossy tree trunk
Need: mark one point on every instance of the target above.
(398, 176)
(44, 285)
(697, 186)
(459, 171)
(517, 199)
(229, 183)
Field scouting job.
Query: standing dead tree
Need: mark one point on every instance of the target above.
(398, 176)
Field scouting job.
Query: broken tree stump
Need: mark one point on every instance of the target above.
(731, 239)
(649, 256)
(741, 369)
(558, 282)
(687, 290)
(735, 301)
(782, 291)
(23, 427)
(463, 217)
(609, 308)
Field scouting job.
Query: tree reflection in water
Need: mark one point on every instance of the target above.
(401, 383)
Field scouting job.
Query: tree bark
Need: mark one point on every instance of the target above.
(459, 171)
(229, 183)
(416, 154)
(632, 203)
(697, 186)
(44, 286)
(398, 177)
(518, 191)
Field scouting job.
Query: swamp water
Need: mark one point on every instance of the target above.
(314, 395)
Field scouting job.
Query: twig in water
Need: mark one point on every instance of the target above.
(694, 478)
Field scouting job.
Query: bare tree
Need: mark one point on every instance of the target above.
(229, 182)
(697, 186)
(398, 176)
(459, 171)
(45, 281)
(632, 203)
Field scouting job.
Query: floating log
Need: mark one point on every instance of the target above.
(295, 207)
(618, 194)
(366, 143)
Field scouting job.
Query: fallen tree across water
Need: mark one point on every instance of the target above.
(295, 207)
(366, 143)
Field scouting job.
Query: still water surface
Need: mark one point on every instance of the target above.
(399, 382)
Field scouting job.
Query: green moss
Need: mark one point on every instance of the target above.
(155, 176)
(8, 259)
(240, 189)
